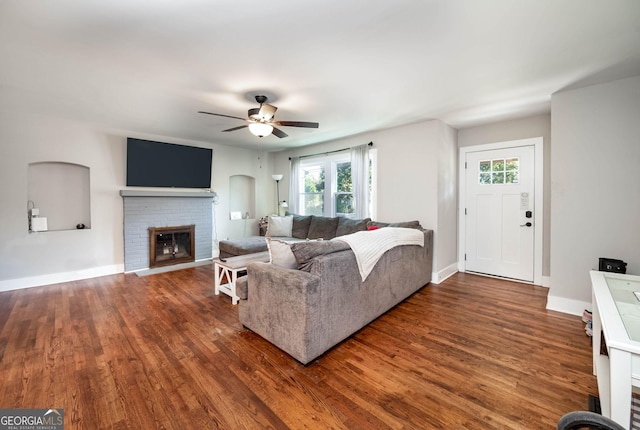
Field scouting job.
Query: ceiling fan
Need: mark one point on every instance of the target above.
(261, 120)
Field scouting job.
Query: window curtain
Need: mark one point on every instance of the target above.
(294, 186)
(360, 180)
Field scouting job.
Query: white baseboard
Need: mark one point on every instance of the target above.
(163, 269)
(567, 306)
(437, 277)
(56, 278)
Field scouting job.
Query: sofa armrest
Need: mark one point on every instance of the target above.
(241, 287)
(266, 282)
(281, 305)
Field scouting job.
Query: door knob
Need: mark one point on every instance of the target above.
(526, 225)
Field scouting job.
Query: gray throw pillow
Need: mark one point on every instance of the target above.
(348, 226)
(322, 227)
(304, 252)
(301, 225)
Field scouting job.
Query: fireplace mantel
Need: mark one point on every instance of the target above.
(147, 193)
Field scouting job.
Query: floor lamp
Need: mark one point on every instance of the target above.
(277, 178)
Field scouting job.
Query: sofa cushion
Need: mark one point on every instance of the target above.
(322, 227)
(406, 224)
(280, 254)
(300, 229)
(242, 246)
(348, 225)
(304, 252)
(280, 226)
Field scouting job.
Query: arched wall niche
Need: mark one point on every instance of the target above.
(60, 192)
(242, 197)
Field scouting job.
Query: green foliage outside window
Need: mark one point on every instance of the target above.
(314, 181)
(500, 171)
(344, 189)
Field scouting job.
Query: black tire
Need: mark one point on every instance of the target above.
(583, 419)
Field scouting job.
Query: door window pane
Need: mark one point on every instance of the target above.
(499, 171)
(512, 170)
(497, 165)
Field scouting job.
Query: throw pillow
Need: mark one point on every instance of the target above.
(304, 252)
(280, 254)
(280, 226)
(301, 224)
(323, 227)
(348, 225)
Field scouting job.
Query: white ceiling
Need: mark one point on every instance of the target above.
(148, 66)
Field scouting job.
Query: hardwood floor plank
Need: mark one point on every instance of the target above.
(162, 351)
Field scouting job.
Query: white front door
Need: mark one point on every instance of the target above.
(499, 209)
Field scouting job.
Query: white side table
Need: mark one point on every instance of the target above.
(227, 271)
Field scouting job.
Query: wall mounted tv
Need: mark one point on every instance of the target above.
(157, 164)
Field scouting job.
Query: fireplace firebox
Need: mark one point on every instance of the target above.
(171, 245)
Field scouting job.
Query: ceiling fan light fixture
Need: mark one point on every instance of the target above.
(260, 129)
(261, 120)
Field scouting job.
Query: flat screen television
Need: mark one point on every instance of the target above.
(158, 164)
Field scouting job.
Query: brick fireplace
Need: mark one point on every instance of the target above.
(144, 210)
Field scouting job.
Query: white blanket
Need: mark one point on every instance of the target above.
(368, 246)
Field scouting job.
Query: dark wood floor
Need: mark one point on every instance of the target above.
(163, 351)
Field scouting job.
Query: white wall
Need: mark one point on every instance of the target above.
(230, 161)
(55, 256)
(417, 168)
(522, 128)
(447, 205)
(595, 186)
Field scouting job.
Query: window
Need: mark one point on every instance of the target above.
(499, 171)
(312, 196)
(343, 196)
(326, 186)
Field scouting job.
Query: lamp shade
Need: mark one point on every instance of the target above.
(277, 177)
(260, 129)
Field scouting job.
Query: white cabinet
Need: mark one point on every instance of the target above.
(616, 341)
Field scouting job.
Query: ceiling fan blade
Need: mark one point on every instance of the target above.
(279, 133)
(297, 124)
(219, 114)
(236, 128)
(267, 111)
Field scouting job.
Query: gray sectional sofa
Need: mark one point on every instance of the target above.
(308, 310)
(304, 227)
